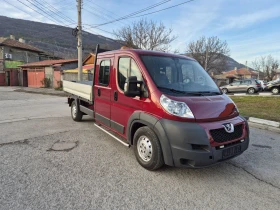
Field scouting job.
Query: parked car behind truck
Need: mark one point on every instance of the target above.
(248, 85)
(273, 86)
(166, 106)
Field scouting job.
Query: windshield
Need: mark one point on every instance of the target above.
(179, 75)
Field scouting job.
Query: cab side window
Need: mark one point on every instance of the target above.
(104, 73)
(126, 68)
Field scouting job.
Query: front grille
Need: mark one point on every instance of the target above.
(220, 135)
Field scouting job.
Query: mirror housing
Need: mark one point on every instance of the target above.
(130, 87)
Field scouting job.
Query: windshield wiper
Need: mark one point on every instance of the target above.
(172, 90)
(181, 91)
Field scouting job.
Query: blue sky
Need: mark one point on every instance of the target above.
(251, 27)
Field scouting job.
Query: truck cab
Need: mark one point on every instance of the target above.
(164, 105)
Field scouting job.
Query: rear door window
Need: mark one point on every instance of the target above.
(236, 83)
(104, 73)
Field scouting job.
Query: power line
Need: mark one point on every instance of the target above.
(162, 9)
(50, 12)
(36, 11)
(54, 10)
(42, 9)
(134, 13)
(108, 11)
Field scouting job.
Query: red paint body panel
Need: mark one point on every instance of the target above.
(209, 111)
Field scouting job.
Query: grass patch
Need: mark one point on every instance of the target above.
(257, 106)
(59, 88)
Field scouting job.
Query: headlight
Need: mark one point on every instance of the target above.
(177, 108)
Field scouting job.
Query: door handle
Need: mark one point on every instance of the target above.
(115, 95)
(99, 92)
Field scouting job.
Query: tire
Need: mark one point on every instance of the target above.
(76, 114)
(225, 91)
(275, 90)
(251, 90)
(147, 149)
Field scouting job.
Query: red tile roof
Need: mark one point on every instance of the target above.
(242, 71)
(17, 44)
(48, 63)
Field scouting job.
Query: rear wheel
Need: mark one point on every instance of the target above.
(225, 91)
(251, 90)
(76, 114)
(147, 149)
(275, 90)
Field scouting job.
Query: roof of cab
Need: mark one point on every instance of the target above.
(143, 52)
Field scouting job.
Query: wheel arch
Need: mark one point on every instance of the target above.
(140, 119)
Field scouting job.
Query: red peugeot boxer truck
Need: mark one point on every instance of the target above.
(164, 105)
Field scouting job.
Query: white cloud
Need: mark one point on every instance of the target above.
(245, 20)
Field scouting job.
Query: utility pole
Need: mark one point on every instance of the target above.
(80, 45)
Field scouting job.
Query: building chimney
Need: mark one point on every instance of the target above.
(21, 40)
(12, 37)
(235, 68)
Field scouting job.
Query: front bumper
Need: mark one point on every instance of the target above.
(192, 146)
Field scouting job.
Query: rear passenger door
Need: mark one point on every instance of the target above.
(245, 84)
(102, 91)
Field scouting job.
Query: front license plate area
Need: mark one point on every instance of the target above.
(232, 151)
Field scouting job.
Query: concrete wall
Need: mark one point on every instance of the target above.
(49, 74)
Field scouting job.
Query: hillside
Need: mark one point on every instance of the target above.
(57, 40)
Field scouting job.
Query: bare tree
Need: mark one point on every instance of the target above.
(267, 64)
(145, 34)
(210, 52)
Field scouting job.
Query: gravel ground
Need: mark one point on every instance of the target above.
(100, 173)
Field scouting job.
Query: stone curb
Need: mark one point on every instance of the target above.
(255, 94)
(264, 127)
(264, 124)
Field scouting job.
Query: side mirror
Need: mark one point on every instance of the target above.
(130, 87)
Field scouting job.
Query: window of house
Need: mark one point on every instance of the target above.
(127, 67)
(104, 73)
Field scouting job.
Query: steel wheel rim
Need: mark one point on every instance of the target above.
(224, 91)
(275, 90)
(251, 90)
(74, 111)
(144, 148)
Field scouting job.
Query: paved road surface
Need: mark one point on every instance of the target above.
(100, 173)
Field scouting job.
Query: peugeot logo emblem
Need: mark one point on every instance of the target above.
(229, 127)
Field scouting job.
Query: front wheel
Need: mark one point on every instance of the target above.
(225, 91)
(147, 149)
(275, 90)
(76, 114)
(251, 90)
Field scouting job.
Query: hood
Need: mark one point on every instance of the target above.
(210, 108)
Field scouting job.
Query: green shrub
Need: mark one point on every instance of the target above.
(46, 82)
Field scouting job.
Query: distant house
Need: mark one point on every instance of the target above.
(12, 54)
(277, 76)
(242, 73)
(88, 68)
(34, 73)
